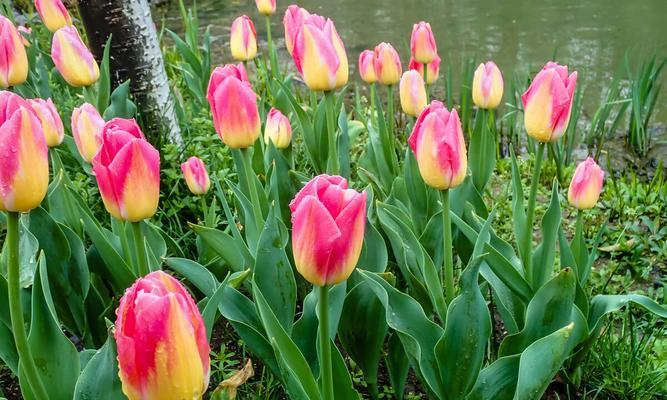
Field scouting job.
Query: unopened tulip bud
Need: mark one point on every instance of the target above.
(586, 185)
(196, 176)
(367, 67)
(422, 43)
(14, 60)
(53, 13)
(487, 86)
(52, 125)
(277, 129)
(432, 69)
(292, 21)
(73, 59)
(243, 39)
(87, 125)
(413, 93)
(266, 7)
(387, 64)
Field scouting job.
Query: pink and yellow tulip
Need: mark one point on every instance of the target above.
(163, 351)
(586, 185)
(367, 67)
(266, 7)
(487, 86)
(432, 69)
(438, 144)
(319, 54)
(243, 39)
(127, 169)
(548, 102)
(278, 129)
(292, 21)
(196, 176)
(73, 59)
(413, 93)
(13, 58)
(387, 64)
(24, 164)
(422, 43)
(219, 74)
(328, 222)
(87, 126)
(52, 125)
(53, 13)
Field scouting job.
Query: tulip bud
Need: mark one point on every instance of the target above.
(53, 13)
(24, 164)
(422, 43)
(277, 129)
(586, 185)
(127, 169)
(196, 177)
(52, 125)
(266, 7)
(87, 125)
(319, 54)
(328, 222)
(487, 86)
(432, 69)
(548, 102)
(25, 33)
(292, 21)
(163, 351)
(438, 144)
(367, 67)
(413, 93)
(73, 59)
(243, 39)
(387, 64)
(14, 60)
(219, 74)
(234, 108)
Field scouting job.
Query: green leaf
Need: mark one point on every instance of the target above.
(543, 258)
(518, 209)
(195, 273)
(99, 379)
(121, 106)
(8, 353)
(482, 149)
(235, 253)
(343, 386)
(498, 380)
(398, 365)
(604, 304)
(104, 83)
(212, 303)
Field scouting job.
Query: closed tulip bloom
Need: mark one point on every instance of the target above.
(52, 125)
(548, 102)
(234, 108)
(367, 67)
(292, 21)
(438, 144)
(277, 129)
(487, 86)
(163, 351)
(196, 177)
(127, 169)
(319, 54)
(387, 64)
(328, 222)
(53, 13)
(413, 93)
(586, 185)
(219, 74)
(422, 43)
(243, 39)
(432, 69)
(24, 165)
(266, 7)
(13, 58)
(87, 125)
(73, 59)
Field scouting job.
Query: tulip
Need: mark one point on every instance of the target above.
(487, 86)
(328, 222)
(432, 69)
(163, 351)
(25, 33)
(24, 171)
(422, 43)
(266, 7)
(234, 107)
(548, 102)
(413, 93)
(438, 144)
(319, 54)
(586, 185)
(292, 21)
(53, 13)
(196, 177)
(127, 169)
(243, 39)
(87, 126)
(13, 58)
(277, 129)
(73, 59)
(52, 125)
(387, 64)
(367, 67)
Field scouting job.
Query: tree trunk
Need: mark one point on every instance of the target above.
(135, 55)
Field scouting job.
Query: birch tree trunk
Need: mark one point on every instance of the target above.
(135, 55)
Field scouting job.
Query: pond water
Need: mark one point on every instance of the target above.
(591, 36)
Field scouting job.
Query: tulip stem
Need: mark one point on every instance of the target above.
(373, 114)
(15, 310)
(272, 59)
(204, 208)
(140, 247)
(325, 345)
(252, 188)
(448, 259)
(333, 164)
(426, 82)
(530, 214)
(390, 112)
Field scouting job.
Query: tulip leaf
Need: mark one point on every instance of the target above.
(195, 273)
(99, 379)
(282, 190)
(482, 148)
(229, 249)
(343, 142)
(252, 230)
(543, 258)
(104, 83)
(343, 387)
(604, 304)
(121, 106)
(398, 365)
(28, 250)
(374, 257)
(419, 192)
(8, 353)
(518, 209)
(211, 307)
(498, 380)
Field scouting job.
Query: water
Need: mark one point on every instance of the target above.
(591, 36)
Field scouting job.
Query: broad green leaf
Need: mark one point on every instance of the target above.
(498, 380)
(604, 304)
(482, 148)
(398, 365)
(99, 379)
(518, 209)
(195, 273)
(235, 254)
(543, 258)
(8, 353)
(211, 307)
